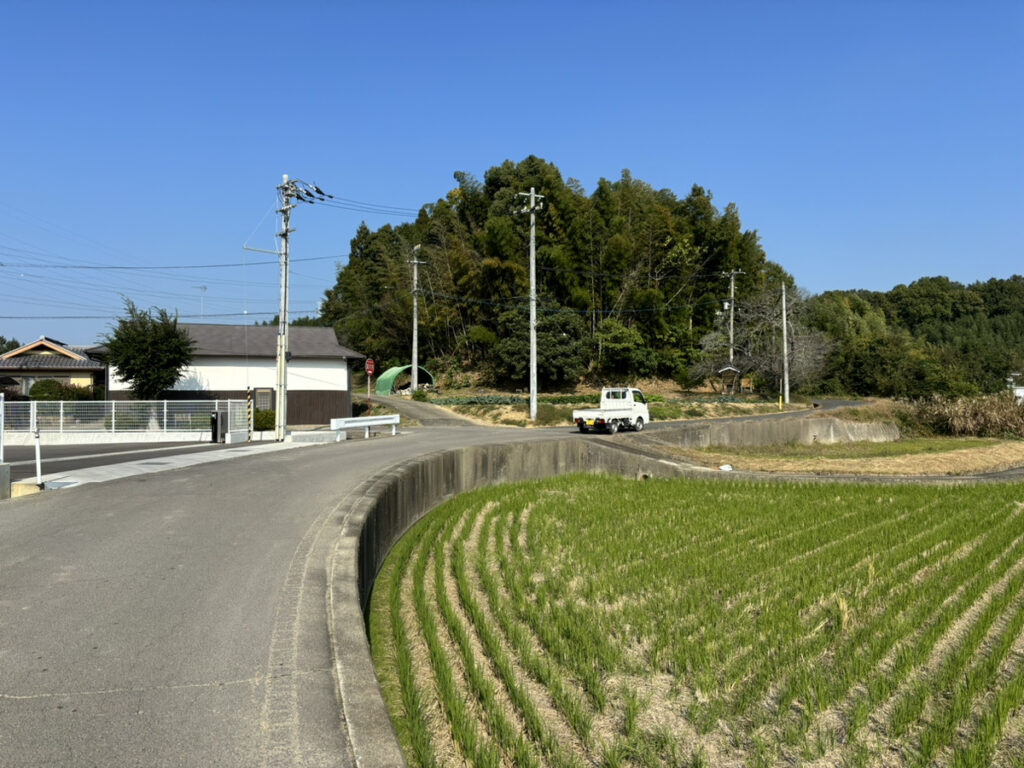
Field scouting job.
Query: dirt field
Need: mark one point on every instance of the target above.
(959, 461)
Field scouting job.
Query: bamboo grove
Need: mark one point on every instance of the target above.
(629, 278)
(634, 282)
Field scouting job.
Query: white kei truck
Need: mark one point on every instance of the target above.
(620, 408)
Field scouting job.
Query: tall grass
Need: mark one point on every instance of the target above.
(996, 415)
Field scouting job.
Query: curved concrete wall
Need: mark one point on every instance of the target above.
(386, 505)
(774, 431)
(384, 508)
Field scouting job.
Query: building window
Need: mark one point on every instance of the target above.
(264, 399)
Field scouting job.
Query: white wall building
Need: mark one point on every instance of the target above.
(228, 360)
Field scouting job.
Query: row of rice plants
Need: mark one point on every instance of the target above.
(673, 622)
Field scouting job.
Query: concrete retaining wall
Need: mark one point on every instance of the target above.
(385, 507)
(777, 431)
(5, 481)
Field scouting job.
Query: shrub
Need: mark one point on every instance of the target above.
(996, 415)
(549, 415)
(420, 396)
(46, 389)
(263, 420)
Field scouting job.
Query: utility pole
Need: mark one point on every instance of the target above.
(415, 317)
(531, 208)
(300, 191)
(732, 307)
(785, 350)
(287, 192)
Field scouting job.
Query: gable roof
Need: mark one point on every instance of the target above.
(44, 346)
(261, 341)
(46, 354)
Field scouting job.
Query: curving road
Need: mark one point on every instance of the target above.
(179, 618)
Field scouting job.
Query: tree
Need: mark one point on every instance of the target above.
(149, 350)
(6, 345)
(642, 269)
(757, 342)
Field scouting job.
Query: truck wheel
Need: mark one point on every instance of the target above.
(613, 427)
(583, 428)
(639, 426)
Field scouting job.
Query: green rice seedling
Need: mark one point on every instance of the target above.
(768, 604)
(461, 721)
(979, 750)
(538, 732)
(569, 705)
(503, 731)
(633, 706)
(943, 727)
(698, 757)
(613, 754)
(408, 712)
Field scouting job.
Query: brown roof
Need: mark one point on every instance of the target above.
(261, 341)
(49, 363)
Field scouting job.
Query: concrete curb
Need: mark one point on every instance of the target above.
(385, 506)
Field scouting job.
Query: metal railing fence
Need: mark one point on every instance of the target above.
(120, 415)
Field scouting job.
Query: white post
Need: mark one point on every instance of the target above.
(165, 415)
(60, 420)
(39, 463)
(2, 409)
(113, 416)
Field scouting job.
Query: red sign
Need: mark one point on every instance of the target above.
(369, 366)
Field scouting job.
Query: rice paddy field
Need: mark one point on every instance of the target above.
(599, 621)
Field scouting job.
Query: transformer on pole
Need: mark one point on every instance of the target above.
(299, 191)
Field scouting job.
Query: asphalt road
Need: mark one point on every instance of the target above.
(178, 618)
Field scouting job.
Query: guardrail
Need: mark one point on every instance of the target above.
(392, 420)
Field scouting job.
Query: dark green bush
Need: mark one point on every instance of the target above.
(263, 420)
(46, 389)
(420, 396)
(549, 415)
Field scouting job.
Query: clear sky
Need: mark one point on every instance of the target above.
(868, 143)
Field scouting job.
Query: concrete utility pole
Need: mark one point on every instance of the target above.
(532, 207)
(415, 318)
(300, 191)
(287, 192)
(732, 307)
(785, 351)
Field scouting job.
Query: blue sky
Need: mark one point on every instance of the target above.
(868, 143)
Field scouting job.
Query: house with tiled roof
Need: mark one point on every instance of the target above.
(48, 358)
(228, 360)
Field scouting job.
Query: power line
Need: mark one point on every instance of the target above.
(179, 316)
(136, 268)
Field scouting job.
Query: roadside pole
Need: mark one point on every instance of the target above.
(35, 428)
(1, 427)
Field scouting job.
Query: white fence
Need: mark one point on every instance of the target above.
(119, 416)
